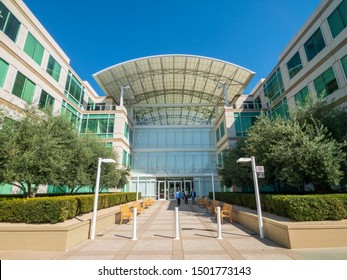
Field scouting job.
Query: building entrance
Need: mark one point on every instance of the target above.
(173, 186)
(161, 190)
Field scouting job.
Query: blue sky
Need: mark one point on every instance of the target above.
(99, 34)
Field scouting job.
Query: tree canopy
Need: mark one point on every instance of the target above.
(47, 150)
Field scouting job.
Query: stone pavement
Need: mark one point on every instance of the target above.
(156, 240)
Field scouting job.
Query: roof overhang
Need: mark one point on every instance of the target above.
(174, 79)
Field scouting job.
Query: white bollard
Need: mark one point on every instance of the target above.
(134, 224)
(176, 224)
(219, 226)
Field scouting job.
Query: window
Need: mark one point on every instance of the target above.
(53, 68)
(124, 158)
(131, 136)
(294, 65)
(273, 87)
(338, 19)
(302, 97)
(314, 45)
(126, 130)
(129, 160)
(9, 24)
(280, 110)
(33, 48)
(100, 124)
(343, 62)
(24, 88)
(243, 122)
(3, 71)
(46, 100)
(74, 89)
(326, 83)
(71, 113)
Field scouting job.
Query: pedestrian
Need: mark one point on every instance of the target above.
(178, 197)
(186, 197)
(193, 196)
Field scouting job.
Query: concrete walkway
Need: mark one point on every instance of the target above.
(156, 240)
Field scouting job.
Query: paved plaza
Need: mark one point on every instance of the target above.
(198, 240)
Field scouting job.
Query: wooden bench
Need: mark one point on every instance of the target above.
(225, 212)
(137, 205)
(125, 213)
(210, 206)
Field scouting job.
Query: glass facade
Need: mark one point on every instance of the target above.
(338, 19)
(280, 110)
(71, 113)
(302, 97)
(53, 68)
(24, 88)
(9, 24)
(243, 121)
(314, 44)
(294, 65)
(74, 90)
(273, 87)
(326, 83)
(100, 124)
(174, 138)
(46, 100)
(3, 71)
(344, 64)
(220, 131)
(33, 48)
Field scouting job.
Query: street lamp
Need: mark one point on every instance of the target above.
(96, 196)
(122, 88)
(256, 189)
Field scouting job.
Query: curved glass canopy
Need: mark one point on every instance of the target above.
(174, 89)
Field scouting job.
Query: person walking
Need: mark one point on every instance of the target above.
(178, 197)
(186, 197)
(193, 196)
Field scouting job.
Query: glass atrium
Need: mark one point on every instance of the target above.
(173, 105)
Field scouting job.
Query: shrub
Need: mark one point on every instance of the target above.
(295, 207)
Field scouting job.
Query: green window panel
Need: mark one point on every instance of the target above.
(126, 130)
(344, 64)
(338, 19)
(33, 48)
(314, 44)
(74, 89)
(326, 83)
(124, 158)
(46, 100)
(90, 104)
(280, 110)
(9, 24)
(243, 122)
(294, 65)
(53, 68)
(3, 71)
(302, 97)
(217, 135)
(273, 87)
(222, 130)
(131, 133)
(71, 113)
(24, 88)
(129, 160)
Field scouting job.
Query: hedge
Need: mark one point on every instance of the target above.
(57, 209)
(295, 207)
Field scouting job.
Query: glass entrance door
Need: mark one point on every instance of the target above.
(161, 190)
(173, 186)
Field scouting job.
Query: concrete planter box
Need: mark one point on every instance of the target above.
(55, 237)
(294, 235)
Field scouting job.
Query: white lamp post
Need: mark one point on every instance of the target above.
(122, 88)
(256, 189)
(96, 196)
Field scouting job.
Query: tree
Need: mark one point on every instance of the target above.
(42, 149)
(33, 151)
(296, 154)
(233, 173)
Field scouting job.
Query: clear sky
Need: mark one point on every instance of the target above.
(99, 34)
